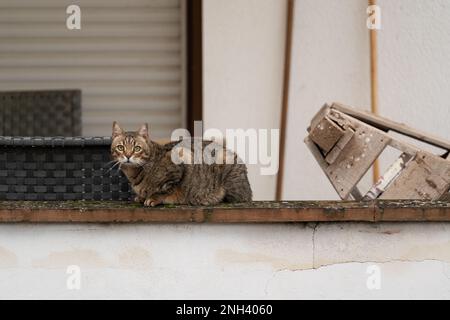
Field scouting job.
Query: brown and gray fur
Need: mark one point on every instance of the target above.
(156, 179)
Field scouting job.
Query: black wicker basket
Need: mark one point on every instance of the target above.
(59, 168)
(44, 113)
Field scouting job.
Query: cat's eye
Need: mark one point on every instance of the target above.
(137, 149)
(120, 147)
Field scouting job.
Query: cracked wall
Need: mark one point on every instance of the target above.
(324, 260)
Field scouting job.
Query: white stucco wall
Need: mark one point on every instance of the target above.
(243, 71)
(288, 261)
(414, 51)
(331, 63)
(414, 69)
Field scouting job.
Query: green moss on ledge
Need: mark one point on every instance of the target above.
(326, 205)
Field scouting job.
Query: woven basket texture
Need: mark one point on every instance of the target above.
(40, 113)
(59, 168)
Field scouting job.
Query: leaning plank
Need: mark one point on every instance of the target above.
(326, 134)
(340, 145)
(386, 125)
(256, 212)
(319, 158)
(429, 175)
(388, 177)
(365, 136)
(356, 157)
(324, 110)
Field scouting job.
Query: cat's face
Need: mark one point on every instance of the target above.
(130, 148)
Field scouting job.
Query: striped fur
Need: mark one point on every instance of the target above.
(157, 180)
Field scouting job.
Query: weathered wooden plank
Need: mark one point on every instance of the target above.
(319, 158)
(425, 177)
(324, 110)
(403, 146)
(388, 177)
(411, 210)
(386, 125)
(256, 212)
(356, 157)
(326, 134)
(364, 139)
(340, 145)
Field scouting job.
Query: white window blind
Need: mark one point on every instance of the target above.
(128, 58)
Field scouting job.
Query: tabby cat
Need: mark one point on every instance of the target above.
(156, 179)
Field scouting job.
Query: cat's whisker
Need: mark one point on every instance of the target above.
(109, 163)
(117, 163)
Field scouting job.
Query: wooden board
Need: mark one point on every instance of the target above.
(340, 145)
(426, 177)
(356, 157)
(256, 212)
(386, 125)
(326, 134)
(324, 110)
(323, 165)
(388, 177)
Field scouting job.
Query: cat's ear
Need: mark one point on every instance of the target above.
(143, 131)
(116, 130)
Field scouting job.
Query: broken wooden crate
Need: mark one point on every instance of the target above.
(346, 142)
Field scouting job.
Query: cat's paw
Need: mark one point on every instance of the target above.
(151, 202)
(138, 199)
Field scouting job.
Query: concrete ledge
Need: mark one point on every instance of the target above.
(256, 212)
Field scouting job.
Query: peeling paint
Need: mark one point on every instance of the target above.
(130, 258)
(7, 258)
(428, 251)
(228, 256)
(135, 258)
(82, 257)
(381, 243)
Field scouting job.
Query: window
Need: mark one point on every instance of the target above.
(128, 58)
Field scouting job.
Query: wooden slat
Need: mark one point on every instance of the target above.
(326, 134)
(82, 45)
(89, 15)
(340, 145)
(356, 158)
(161, 118)
(386, 125)
(88, 3)
(132, 103)
(158, 130)
(49, 30)
(91, 59)
(429, 175)
(40, 74)
(257, 212)
(127, 58)
(102, 87)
